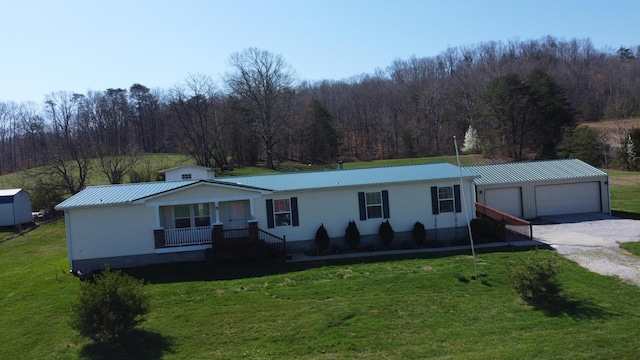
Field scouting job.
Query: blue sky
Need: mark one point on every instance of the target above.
(82, 45)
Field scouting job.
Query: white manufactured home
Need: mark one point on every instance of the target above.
(542, 188)
(15, 207)
(138, 224)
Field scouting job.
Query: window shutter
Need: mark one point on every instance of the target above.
(363, 206)
(294, 211)
(456, 196)
(270, 222)
(385, 204)
(434, 200)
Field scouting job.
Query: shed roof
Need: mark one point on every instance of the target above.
(9, 192)
(125, 193)
(534, 171)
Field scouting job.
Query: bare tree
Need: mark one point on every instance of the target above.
(265, 83)
(70, 151)
(197, 106)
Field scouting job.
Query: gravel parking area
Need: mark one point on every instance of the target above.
(593, 241)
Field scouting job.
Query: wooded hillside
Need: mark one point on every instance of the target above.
(522, 99)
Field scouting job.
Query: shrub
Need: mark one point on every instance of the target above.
(386, 233)
(418, 233)
(110, 306)
(322, 238)
(534, 279)
(481, 228)
(352, 235)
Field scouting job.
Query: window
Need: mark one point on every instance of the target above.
(191, 215)
(182, 214)
(374, 205)
(186, 176)
(282, 212)
(445, 199)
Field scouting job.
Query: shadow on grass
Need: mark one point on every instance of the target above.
(208, 271)
(139, 345)
(625, 215)
(575, 309)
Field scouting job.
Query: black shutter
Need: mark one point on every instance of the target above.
(385, 203)
(363, 206)
(270, 223)
(294, 212)
(456, 196)
(434, 200)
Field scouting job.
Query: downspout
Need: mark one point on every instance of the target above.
(67, 225)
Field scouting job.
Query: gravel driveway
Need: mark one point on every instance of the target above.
(593, 241)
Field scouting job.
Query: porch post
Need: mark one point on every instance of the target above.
(158, 237)
(253, 230)
(217, 234)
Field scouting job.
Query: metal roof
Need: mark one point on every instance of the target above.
(118, 194)
(351, 177)
(533, 171)
(125, 193)
(9, 192)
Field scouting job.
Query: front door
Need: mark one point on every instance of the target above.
(237, 214)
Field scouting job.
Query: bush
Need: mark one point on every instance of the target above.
(418, 233)
(322, 238)
(535, 281)
(110, 306)
(352, 235)
(386, 233)
(482, 228)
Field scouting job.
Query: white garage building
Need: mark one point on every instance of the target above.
(542, 188)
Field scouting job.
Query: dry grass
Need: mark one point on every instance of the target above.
(614, 130)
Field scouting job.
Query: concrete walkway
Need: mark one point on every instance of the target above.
(300, 257)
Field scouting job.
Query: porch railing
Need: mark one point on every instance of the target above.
(507, 222)
(187, 236)
(247, 243)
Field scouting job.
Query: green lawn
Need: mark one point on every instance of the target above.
(387, 309)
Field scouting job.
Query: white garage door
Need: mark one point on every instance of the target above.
(508, 200)
(568, 198)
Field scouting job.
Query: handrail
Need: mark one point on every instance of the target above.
(509, 222)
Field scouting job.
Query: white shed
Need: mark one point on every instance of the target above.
(188, 172)
(15, 207)
(543, 188)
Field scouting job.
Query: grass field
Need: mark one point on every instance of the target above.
(386, 309)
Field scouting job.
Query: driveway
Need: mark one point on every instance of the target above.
(593, 241)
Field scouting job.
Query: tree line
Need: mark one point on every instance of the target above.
(517, 100)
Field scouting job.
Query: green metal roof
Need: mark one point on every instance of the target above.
(351, 177)
(118, 194)
(127, 193)
(534, 171)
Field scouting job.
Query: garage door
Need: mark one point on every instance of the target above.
(568, 198)
(508, 200)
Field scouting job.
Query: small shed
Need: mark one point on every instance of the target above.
(15, 207)
(188, 172)
(543, 188)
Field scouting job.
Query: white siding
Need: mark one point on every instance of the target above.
(334, 208)
(111, 231)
